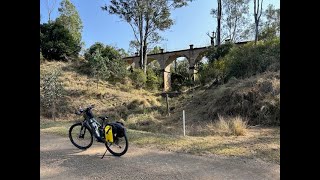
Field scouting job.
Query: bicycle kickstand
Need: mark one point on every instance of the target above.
(104, 153)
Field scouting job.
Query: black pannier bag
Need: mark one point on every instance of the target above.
(118, 129)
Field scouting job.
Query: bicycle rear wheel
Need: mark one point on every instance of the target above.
(80, 136)
(119, 147)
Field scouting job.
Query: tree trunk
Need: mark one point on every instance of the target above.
(145, 60)
(141, 39)
(141, 53)
(257, 32)
(257, 14)
(219, 23)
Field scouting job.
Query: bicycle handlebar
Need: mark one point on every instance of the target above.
(80, 111)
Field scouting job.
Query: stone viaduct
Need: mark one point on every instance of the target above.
(165, 59)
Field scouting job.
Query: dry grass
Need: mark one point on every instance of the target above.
(223, 126)
(238, 126)
(82, 90)
(257, 98)
(142, 110)
(263, 143)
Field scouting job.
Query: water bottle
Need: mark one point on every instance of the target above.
(95, 127)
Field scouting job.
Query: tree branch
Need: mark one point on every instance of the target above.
(134, 32)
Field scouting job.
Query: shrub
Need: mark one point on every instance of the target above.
(108, 61)
(215, 53)
(52, 91)
(249, 59)
(215, 70)
(57, 43)
(241, 61)
(152, 80)
(98, 66)
(138, 78)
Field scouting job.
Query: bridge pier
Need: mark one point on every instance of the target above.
(167, 78)
(165, 60)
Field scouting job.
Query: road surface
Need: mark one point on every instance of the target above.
(59, 159)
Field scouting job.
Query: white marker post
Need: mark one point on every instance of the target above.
(184, 123)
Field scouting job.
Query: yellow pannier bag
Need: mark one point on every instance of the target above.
(108, 133)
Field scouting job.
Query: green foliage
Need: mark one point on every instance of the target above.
(267, 33)
(207, 73)
(215, 53)
(216, 70)
(118, 70)
(98, 65)
(92, 49)
(183, 68)
(106, 62)
(107, 51)
(248, 60)
(243, 61)
(70, 19)
(138, 78)
(152, 80)
(180, 78)
(51, 95)
(111, 52)
(57, 43)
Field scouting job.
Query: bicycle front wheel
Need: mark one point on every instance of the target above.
(80, 136)
(119, 147)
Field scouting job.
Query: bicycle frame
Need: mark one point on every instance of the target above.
(89, 124)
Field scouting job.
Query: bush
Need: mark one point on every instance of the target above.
(118, 71)
(52, 91)
(98, 66)
(110, 52)
(152, 80)
(248, 60)
(215, 70)
(138, 78)
(241, 61)
(215, 53)
(181, 77)
(57, 43)
(207, 74)
(107, 62)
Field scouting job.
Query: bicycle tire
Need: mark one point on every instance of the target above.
(108, 145)
(85, 130)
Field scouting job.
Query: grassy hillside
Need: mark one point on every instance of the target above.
(81, 90)
(210, 111)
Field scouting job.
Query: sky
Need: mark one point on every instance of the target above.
(191, 24)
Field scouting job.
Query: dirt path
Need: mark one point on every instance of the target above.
(61, 160)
